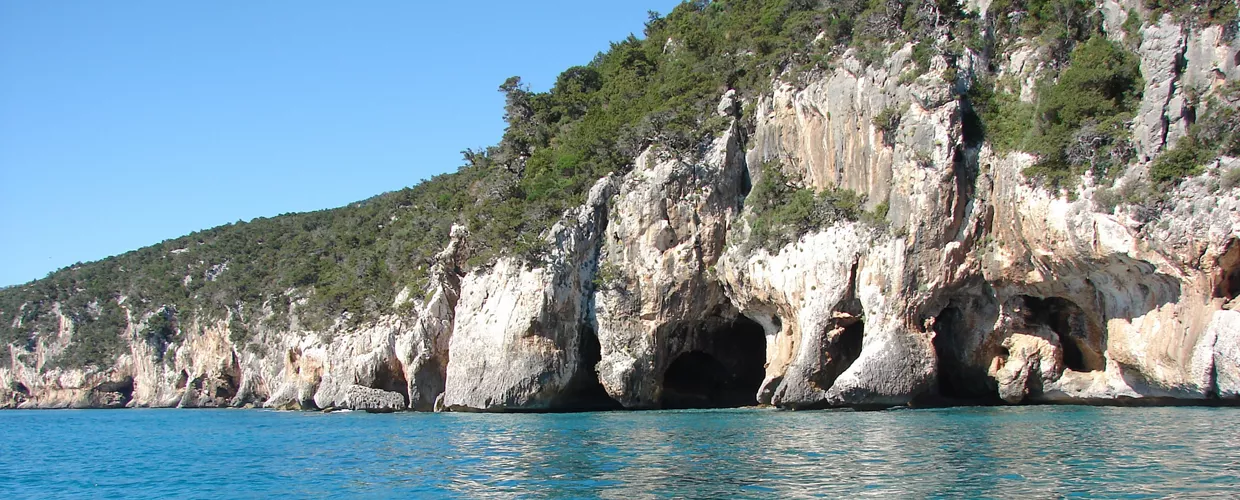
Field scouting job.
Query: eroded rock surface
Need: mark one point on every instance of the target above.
(972, 286)
(358, 397)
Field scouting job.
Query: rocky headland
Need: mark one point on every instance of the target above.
(960, 280)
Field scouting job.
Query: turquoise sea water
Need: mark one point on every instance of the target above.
(961, 452)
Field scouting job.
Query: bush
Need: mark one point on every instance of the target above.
(1209, 12)
(1081, 119)
(1005, 118)
(878, 216)
(96, 336)
(1216, 132)
(922, 52)
(782, 212)
(1183, 160)
(888, 121)
(1132, 29)
(1105, 200)
(160, 331)
(609, 276)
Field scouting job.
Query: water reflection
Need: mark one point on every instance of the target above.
(972, 451)
(963, 452)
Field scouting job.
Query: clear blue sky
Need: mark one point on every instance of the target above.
(126, 123)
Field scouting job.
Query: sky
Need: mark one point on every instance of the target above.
(123, 124)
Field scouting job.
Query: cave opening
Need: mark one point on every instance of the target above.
(584, 391)
(972, 129)
(946, 325)
(392, 379)
(428, 384)
(1080, 352)
(958, 381)
(226, 389)
(726, 373)
(843, 350)
(123, 389)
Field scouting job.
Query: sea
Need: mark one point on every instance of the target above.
(971, 452)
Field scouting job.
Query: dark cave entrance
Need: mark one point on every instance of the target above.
(958, 381)
(584, 392)
(182, 380)
(947, 326)
(726, 373)
(843, 350)
(226, 389)
(121, 389)
(1082, 352)
(428, 384)
(392, 379)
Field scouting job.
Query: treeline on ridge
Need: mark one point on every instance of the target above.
(350, 262)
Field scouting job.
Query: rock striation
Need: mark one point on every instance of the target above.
(978, 287)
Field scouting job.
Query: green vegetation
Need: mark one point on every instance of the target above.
(1058, 25)
(888, 121)
(1080, 120)
(1183, 160)
(1004, 116)
(1216, 132)
(160, 331)
(608, 276)
(1230, 178)
(782, 212)
(350, 261)
(923, 51)
(96, 335)
(1132, 30)
(1207, 12)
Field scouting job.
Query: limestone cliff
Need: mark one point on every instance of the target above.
(976, 287)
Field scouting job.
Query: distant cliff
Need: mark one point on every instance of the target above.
(788, 203)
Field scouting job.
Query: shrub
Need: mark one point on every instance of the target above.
(238, 332)
(1089, 107)
(878, 216)
(96, 336)
(1132, 29)
(1105, 200)
(1183, 160)
(888, 121)
(1210, 12)
(160, 331)
(922, 52)
(1005, 118)
(609, 276)
(782, 212)
(1216, 132)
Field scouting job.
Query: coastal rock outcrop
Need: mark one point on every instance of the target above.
(358, 397)
(960, 281)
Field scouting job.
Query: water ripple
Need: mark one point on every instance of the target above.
(963, 452)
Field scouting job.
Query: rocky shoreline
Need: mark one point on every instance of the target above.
(977, 286)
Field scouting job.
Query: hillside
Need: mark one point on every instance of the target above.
(890, 202)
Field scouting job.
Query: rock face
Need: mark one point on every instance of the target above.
(520, 328)
(357, 397)
(978, 287)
